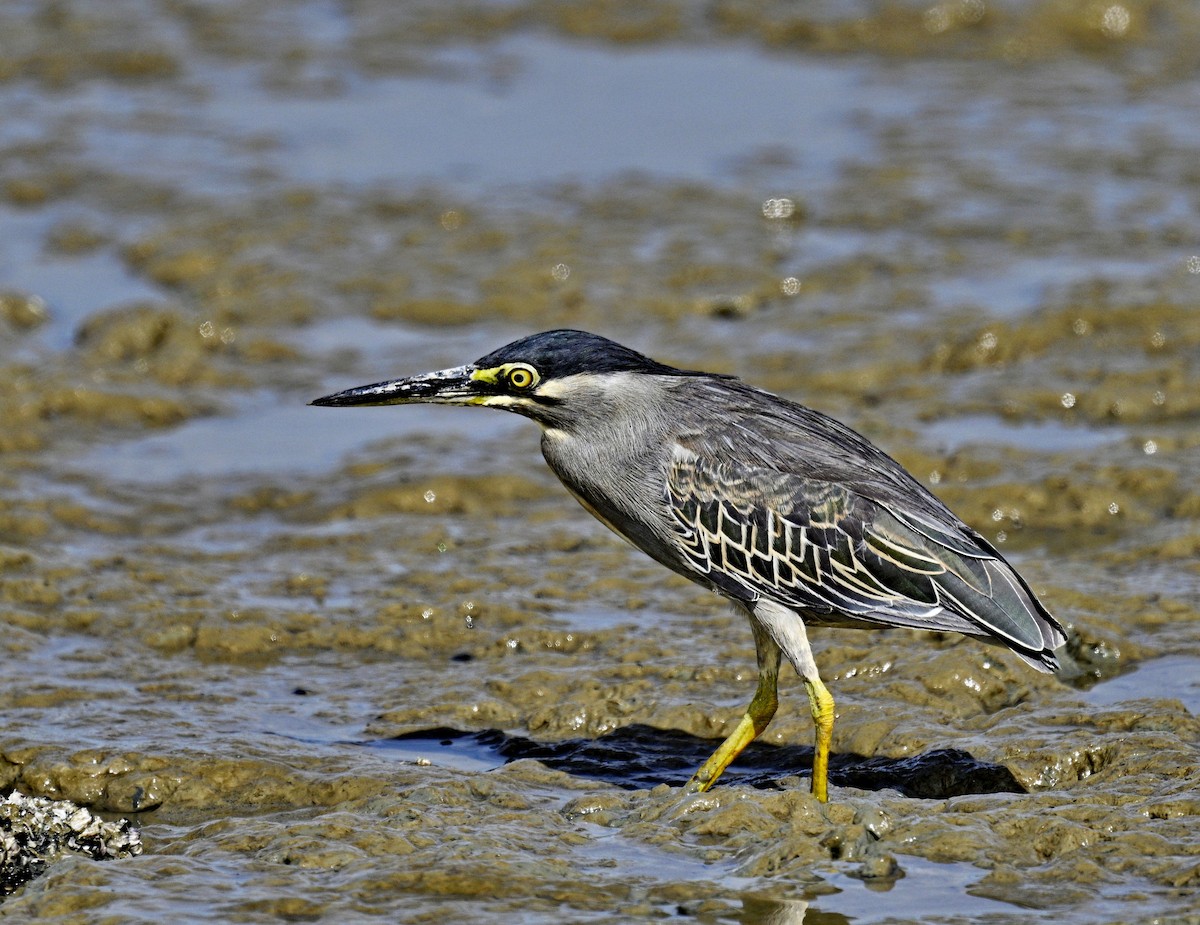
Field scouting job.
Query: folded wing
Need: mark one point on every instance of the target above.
(838, 556)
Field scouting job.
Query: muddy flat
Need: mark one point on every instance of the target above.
(376, 664)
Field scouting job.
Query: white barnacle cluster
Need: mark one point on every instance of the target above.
(34, 830)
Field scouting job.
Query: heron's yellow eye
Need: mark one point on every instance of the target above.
(522, 377)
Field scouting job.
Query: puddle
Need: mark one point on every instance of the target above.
(587, 617)
(447, 748)
(952, 434)
(928, 892)
(210, 705)
(1175, 677)
(269, 438)
(682, 113)
(73, 287)
(676, 112)
(608, 849)
(1028, 283)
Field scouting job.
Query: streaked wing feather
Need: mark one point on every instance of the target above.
(820, 547)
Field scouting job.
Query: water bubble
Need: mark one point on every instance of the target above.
(1193, 264)
(778, 208)
(430, 496)
(511, 643)
(441, 547)
(1114, 508)
(470, 621)
(1158, 340)
(426, 613)
(207, 329)
(937, 19)
(451, 220)
(1081, 326)
(1159, 397)
(1067, 400)
(935, 477)
(1001, 537)
(560, 271)
(997, 514)
(1150, 447)
(790, 286)
(1114, 21)
(987, 342)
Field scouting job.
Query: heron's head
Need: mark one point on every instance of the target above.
(558, 378)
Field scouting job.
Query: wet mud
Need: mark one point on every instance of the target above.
(377, 663)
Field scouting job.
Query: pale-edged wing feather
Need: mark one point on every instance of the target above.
(839, 556)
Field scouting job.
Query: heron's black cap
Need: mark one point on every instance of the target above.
(565, 352)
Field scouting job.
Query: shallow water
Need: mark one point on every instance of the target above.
(369, 664)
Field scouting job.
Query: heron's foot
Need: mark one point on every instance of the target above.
(708, 773)
(758, 714)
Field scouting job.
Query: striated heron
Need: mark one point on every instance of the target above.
(796, 518)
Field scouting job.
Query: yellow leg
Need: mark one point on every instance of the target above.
(786, 627)
(821, 703)
(755, 720)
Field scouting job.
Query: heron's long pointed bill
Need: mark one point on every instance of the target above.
(450, 386)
